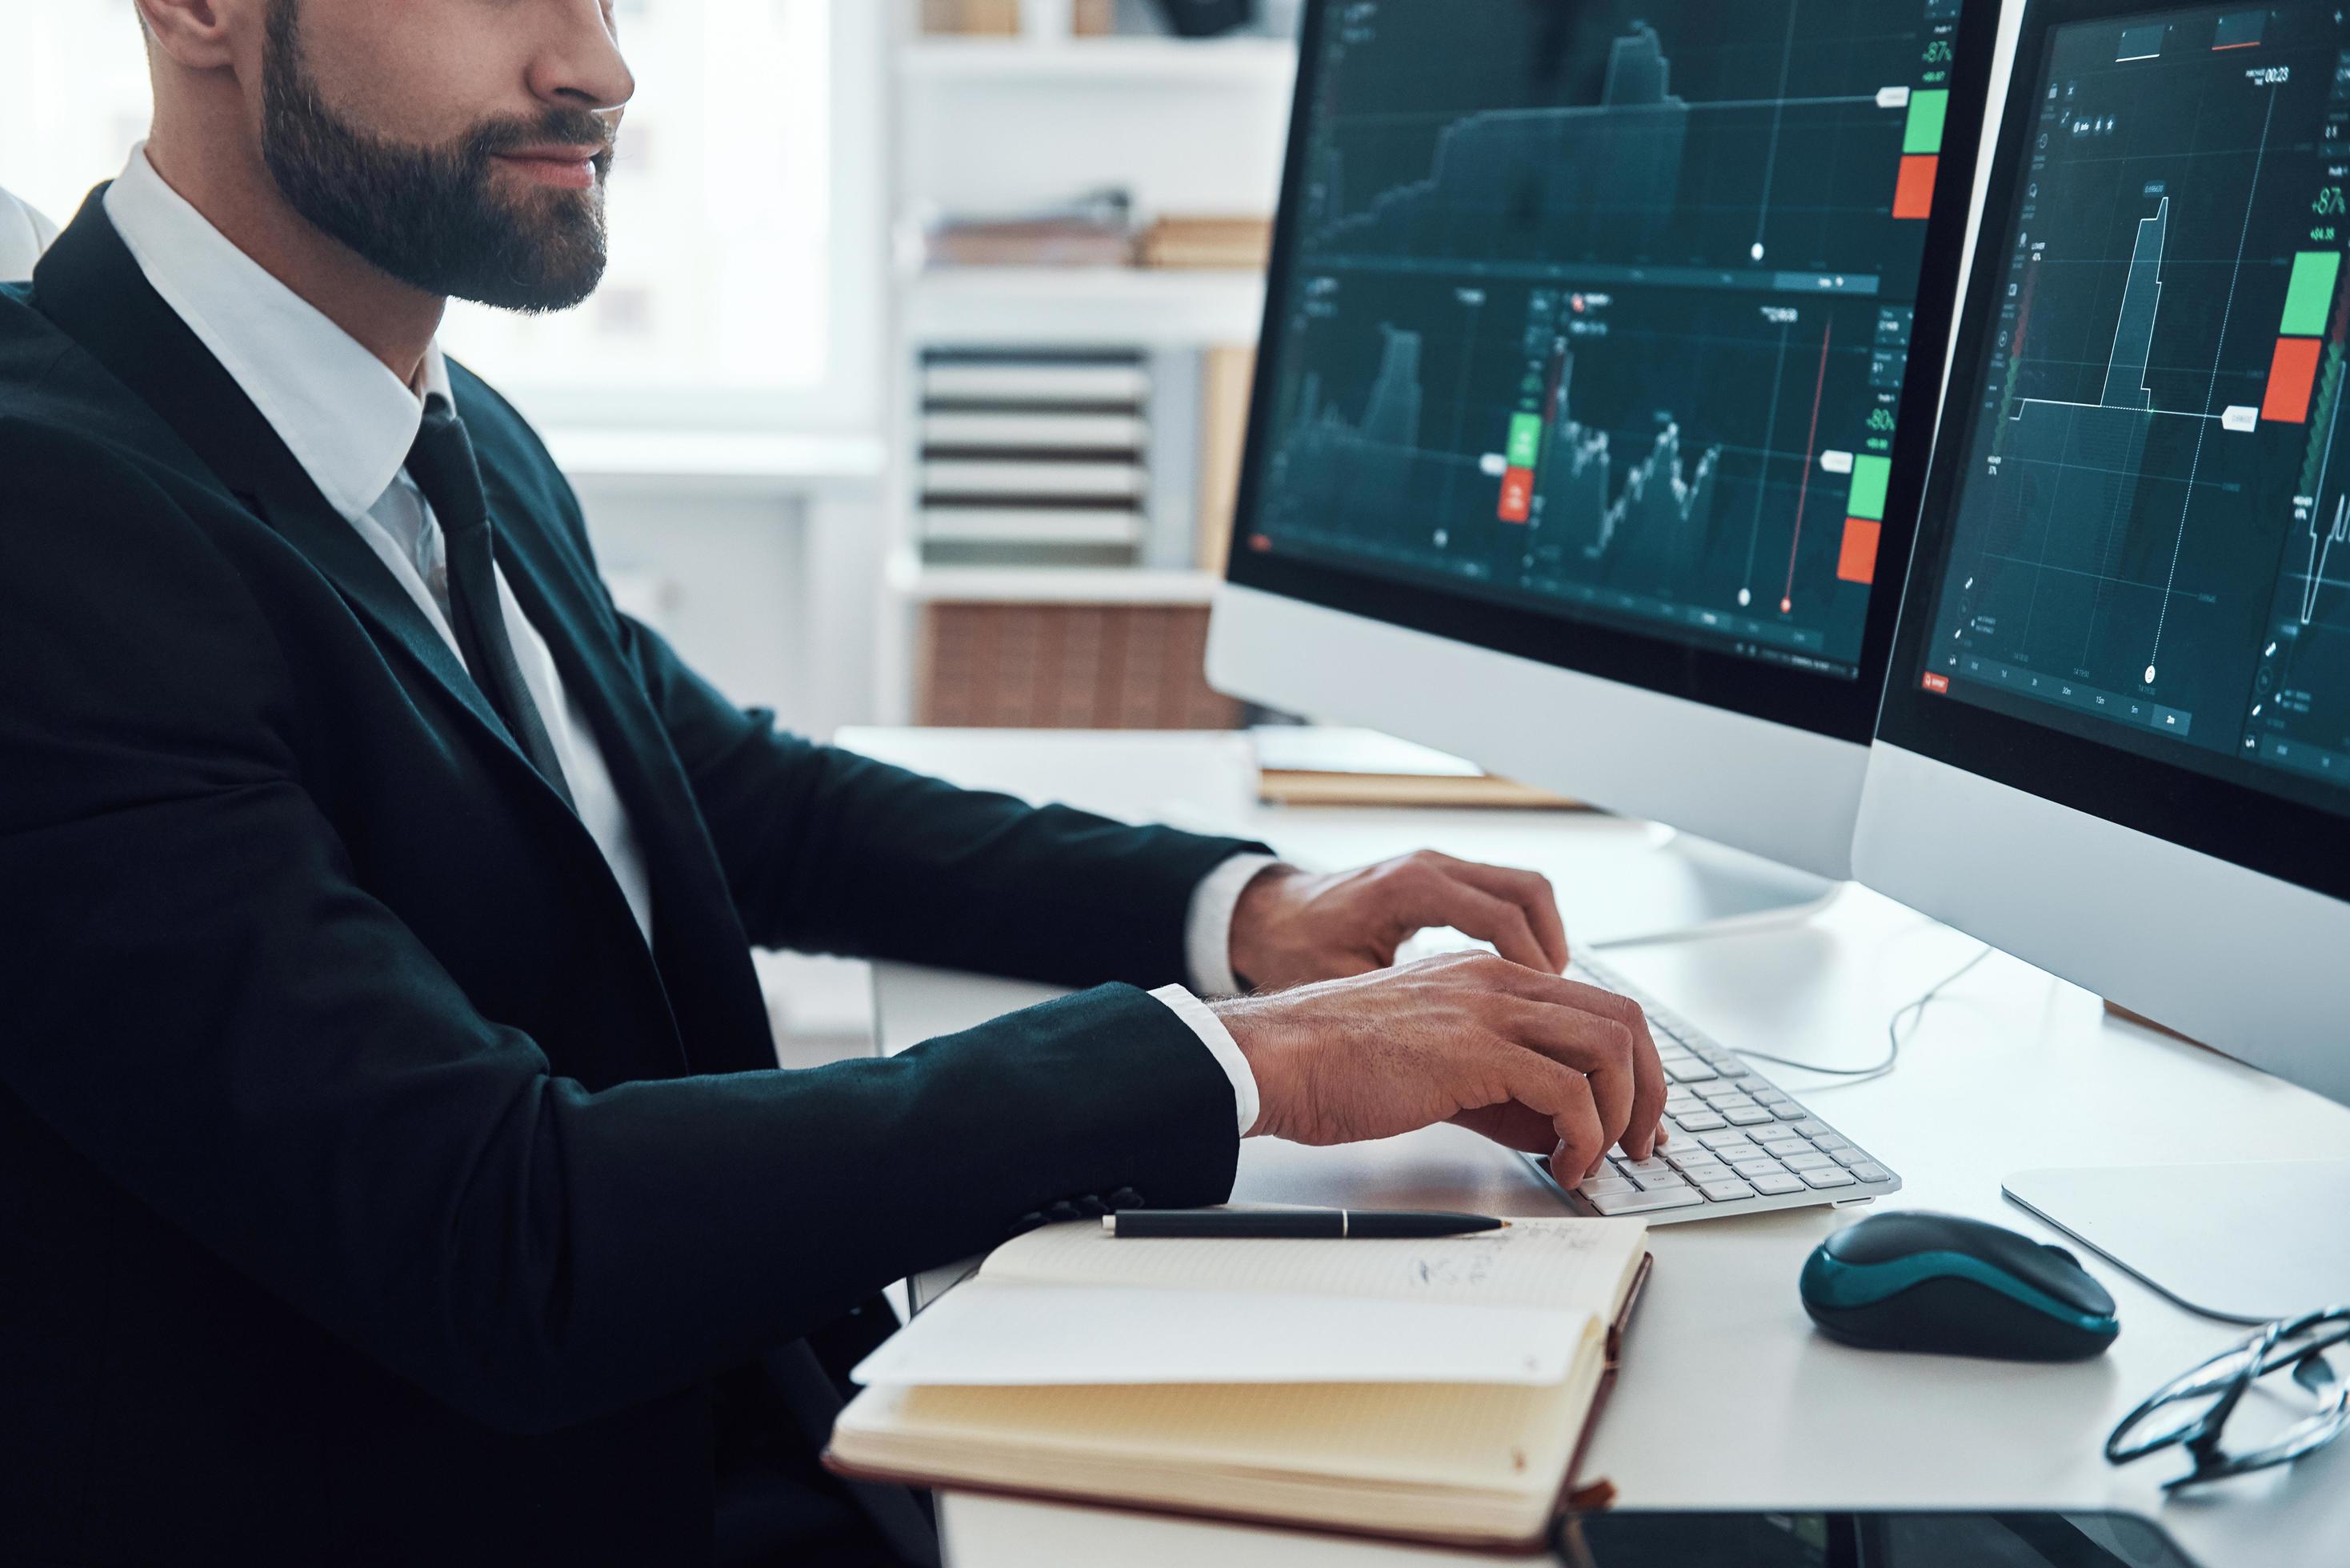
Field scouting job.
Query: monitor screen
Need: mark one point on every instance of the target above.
(2140, 532)
(1599, 315)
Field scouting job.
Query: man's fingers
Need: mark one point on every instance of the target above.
(1646, 1106)
(1560, 1092)
(1530, 891)
(1601, 1049)
(1512, 1126)
(1430, 898)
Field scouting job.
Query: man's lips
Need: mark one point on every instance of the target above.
(570, 167)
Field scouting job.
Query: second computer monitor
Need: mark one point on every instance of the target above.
(1599, 367)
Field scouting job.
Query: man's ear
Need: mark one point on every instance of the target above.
(196, 34)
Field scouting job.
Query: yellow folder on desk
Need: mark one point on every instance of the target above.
(1434, 1390)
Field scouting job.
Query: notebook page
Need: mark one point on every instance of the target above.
(1562, 1263)
(1491, 1437)
(997, 1331)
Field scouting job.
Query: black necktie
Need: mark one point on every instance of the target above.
(442, 465)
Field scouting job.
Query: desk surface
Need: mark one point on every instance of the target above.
(1727, 1397)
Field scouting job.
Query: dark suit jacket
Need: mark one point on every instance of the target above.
(368, 1191)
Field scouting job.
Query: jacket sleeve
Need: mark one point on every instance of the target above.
(204, 1003)
(830, 852)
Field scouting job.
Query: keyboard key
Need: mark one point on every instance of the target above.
(1751, 1169)
(1781, 1142)
(1730, 1066)
(1688, 1071)
(1751, 1115)
(1812, 1126)
(1647, 1202)
(1790, 1112)
(1607, 1187)
(1714, 1093)
(1831, 1177)
(1777, 1186)
(1771, 1097)
(1870, 1173)
(1701, 1121)
(1727, 1192)
(1653, 1166)
(1726, 1139)
(1847, 1156)
(1810, 1159)
(1700, 1171)
(1830, 1142)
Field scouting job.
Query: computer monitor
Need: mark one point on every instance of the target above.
(2117, 738)
(1599, 367)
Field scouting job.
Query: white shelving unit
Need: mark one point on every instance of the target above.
(1059, 307)
(1252, 62)
(996, 125)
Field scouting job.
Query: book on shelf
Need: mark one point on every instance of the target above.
(1096, 229)
(1439, 1391)
(1222, 244)
(1314, 764)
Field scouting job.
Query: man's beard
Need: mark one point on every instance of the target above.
(429, 216)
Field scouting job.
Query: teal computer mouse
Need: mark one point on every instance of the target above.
(1957, 1287)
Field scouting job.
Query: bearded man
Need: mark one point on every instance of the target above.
(393, 1163)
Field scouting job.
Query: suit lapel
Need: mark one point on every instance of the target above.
(92, 287)
(696, 940)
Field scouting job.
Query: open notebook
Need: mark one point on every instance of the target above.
(1439, 1390)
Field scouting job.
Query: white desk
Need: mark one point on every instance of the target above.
(1727, 1397)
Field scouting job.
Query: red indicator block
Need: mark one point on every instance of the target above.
(1940, 685)
(1913, 193)
(1857, 562)
(1517, 494)
(2291, 374)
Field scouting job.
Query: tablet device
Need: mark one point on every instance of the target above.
(1631, 1538)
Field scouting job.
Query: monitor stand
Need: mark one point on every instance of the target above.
(2246, 1244)
(1687, 887)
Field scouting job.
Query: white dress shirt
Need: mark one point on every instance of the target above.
(350, 422)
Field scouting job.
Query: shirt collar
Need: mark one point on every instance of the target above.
(345, 418)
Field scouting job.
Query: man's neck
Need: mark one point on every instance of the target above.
(391, 319)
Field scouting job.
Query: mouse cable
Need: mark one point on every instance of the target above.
(1894, 1034)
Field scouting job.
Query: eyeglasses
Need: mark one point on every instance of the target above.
(2211, 1392)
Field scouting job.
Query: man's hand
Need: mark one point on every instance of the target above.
(1532, 1061)
(1290, 927)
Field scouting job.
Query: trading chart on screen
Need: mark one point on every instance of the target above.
(2153, 531)
(1605, 307)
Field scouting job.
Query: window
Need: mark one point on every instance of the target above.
(745, 189)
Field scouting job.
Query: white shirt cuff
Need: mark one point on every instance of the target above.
(1208, 928)
(1195, 1014)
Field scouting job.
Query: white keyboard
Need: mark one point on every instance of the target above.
(1739, 1144)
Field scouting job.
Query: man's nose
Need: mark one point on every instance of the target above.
(580, 65)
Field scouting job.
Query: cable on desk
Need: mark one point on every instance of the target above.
(1895, 1033)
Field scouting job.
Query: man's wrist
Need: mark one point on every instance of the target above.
(1246, 1022)
(1211, 937)
(1202, 1021)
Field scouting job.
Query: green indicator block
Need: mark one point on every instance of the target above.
(2310, 293)
(1525, 440)
(1869, 477)
(1924, 131)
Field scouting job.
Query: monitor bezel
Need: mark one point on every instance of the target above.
(2269, 834)
(1822, 703)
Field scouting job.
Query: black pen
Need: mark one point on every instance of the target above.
(1292, 1224)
